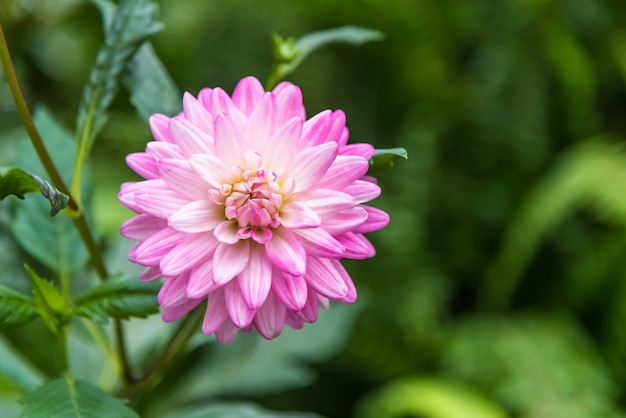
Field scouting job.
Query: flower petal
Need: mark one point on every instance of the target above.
(155, 198)
(226, 232)
(197, 114)
(227, 332)
(142, 227)
(356, 245)
(311, 164)
(229, 260)
(345, 220)
(247, 94)
(236, 306)
(318, 242)
(153, 249)
(344, 170)
(297, 215)
(230, 142)
(197, 216)
(189, 138)
(159, 125)
(270, 319)
(216, 312)
(325, 279)
(262, 123)
(376, 219)
(210, 168)
(180, 177)
(286, 252)
(188, 252)
(363, 191)
(291, 290)
(255, 279)
(201, 280)
(143, 164)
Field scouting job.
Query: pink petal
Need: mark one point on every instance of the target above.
(356, 245)
(227, 332)
(351, 296)
(159, 125)
(363, 191)
(289, 104)
(337, 132)
(189, 251)
(345, 220)
(256, 278)
(150, 274)
(286, 252)
(174, 313)
(141, 227)
(325, 279)
(201, 280)
(310, 165)
(262, 123)
(230, 142)
(172, 292)
(315, 130)
(229, 261)
(297, 215)
(126, 196)
(269, 320)
(156, 199)
(236, 306)
(319, 243)
(143, 164)
(344, 170)
(294, 320)
(376, 219)
(197, 114)
(197, 216)
(162, 150)
(179, 176)
(281, 146)
(153, 249)
(216, 312)
(189, 138)
(291, 290)
(220, 103)
(310, 310)
(247, 94)
(227, 232)
(325, 202)
(362, 150)
(210, 168)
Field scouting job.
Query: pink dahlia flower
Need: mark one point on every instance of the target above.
(250, 207)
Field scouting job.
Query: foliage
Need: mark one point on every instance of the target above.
(498, 285)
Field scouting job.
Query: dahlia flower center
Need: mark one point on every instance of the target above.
(252, 201)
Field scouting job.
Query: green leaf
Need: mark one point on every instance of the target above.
(50, 303)
(531, 364)
(118, 299)
(428, 398)
(590, 175)
(53, 242)
(66, 398)
(151, 88)
(15, 308)
(289, 53)
(383, 158)
(232, 410)
(18, 182)
(16, 370)
(253, 366)
(132, 23)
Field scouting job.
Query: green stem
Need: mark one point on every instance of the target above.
(75, 211)
(61, 345)
(27, 121)
(174, 347)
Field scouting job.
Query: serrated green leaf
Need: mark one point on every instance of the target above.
(118, 299)
(133, 22)
(383, 158)
(50, 303)
(152, 89)
(15, 308)
(53, 242)
(18, 182)
(66, 398)
(429, 398)
(289, 53)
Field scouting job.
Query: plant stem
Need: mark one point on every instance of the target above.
(61, 345)
(177, 342)
(75, 212)
(27, 121)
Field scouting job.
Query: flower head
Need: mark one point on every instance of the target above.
(250, 207)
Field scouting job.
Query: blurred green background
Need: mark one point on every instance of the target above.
(499, 288)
